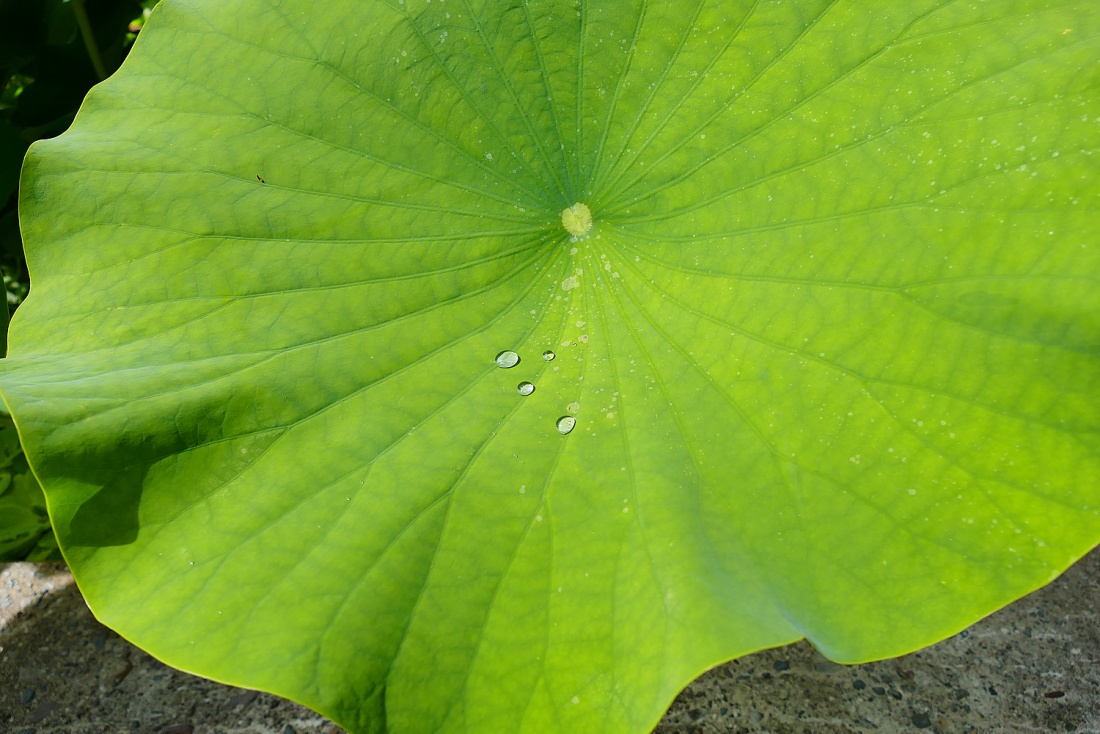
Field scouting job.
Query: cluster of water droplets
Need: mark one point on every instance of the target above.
(508, 359)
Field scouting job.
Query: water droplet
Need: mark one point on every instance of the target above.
(573, 408)
(525, 388)
(507, 359)
(566, 424)
(548, 355)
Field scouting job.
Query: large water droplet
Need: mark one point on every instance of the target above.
(566, 424)
(525, 388)
(548, 355)
(507, 359)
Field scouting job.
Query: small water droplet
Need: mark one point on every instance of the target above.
(525, 388)
(507, 359)
(573, 408)
(566, 424)
(548, 355)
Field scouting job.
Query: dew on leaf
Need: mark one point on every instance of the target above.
(548, 355)
(507, 359)
(566, 424)
(572, 408)
(525, 388)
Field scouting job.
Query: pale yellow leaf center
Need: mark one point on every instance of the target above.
(577, 220)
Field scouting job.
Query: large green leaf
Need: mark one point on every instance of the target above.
(832, 344)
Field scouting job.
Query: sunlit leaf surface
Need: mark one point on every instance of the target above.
(826, 364)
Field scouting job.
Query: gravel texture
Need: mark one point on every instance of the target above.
(1033, 667)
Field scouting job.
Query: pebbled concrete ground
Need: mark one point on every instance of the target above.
(1033, 667)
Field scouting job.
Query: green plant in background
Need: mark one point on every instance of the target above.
(335, 391)
(24, 527)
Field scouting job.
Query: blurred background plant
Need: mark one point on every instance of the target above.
(25, 533)
(51, 53)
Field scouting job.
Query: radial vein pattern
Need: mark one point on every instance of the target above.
(336, 391)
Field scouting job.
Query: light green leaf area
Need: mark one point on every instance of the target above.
(832, 344)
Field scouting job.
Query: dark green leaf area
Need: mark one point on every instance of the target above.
(826, 363)
(25, 532)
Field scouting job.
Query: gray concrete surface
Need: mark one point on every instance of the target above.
(1033, 667)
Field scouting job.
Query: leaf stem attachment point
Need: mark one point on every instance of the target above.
(577, 219)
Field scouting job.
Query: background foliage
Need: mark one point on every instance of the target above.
(25, 532)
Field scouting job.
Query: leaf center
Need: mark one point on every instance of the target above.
(577, 219)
